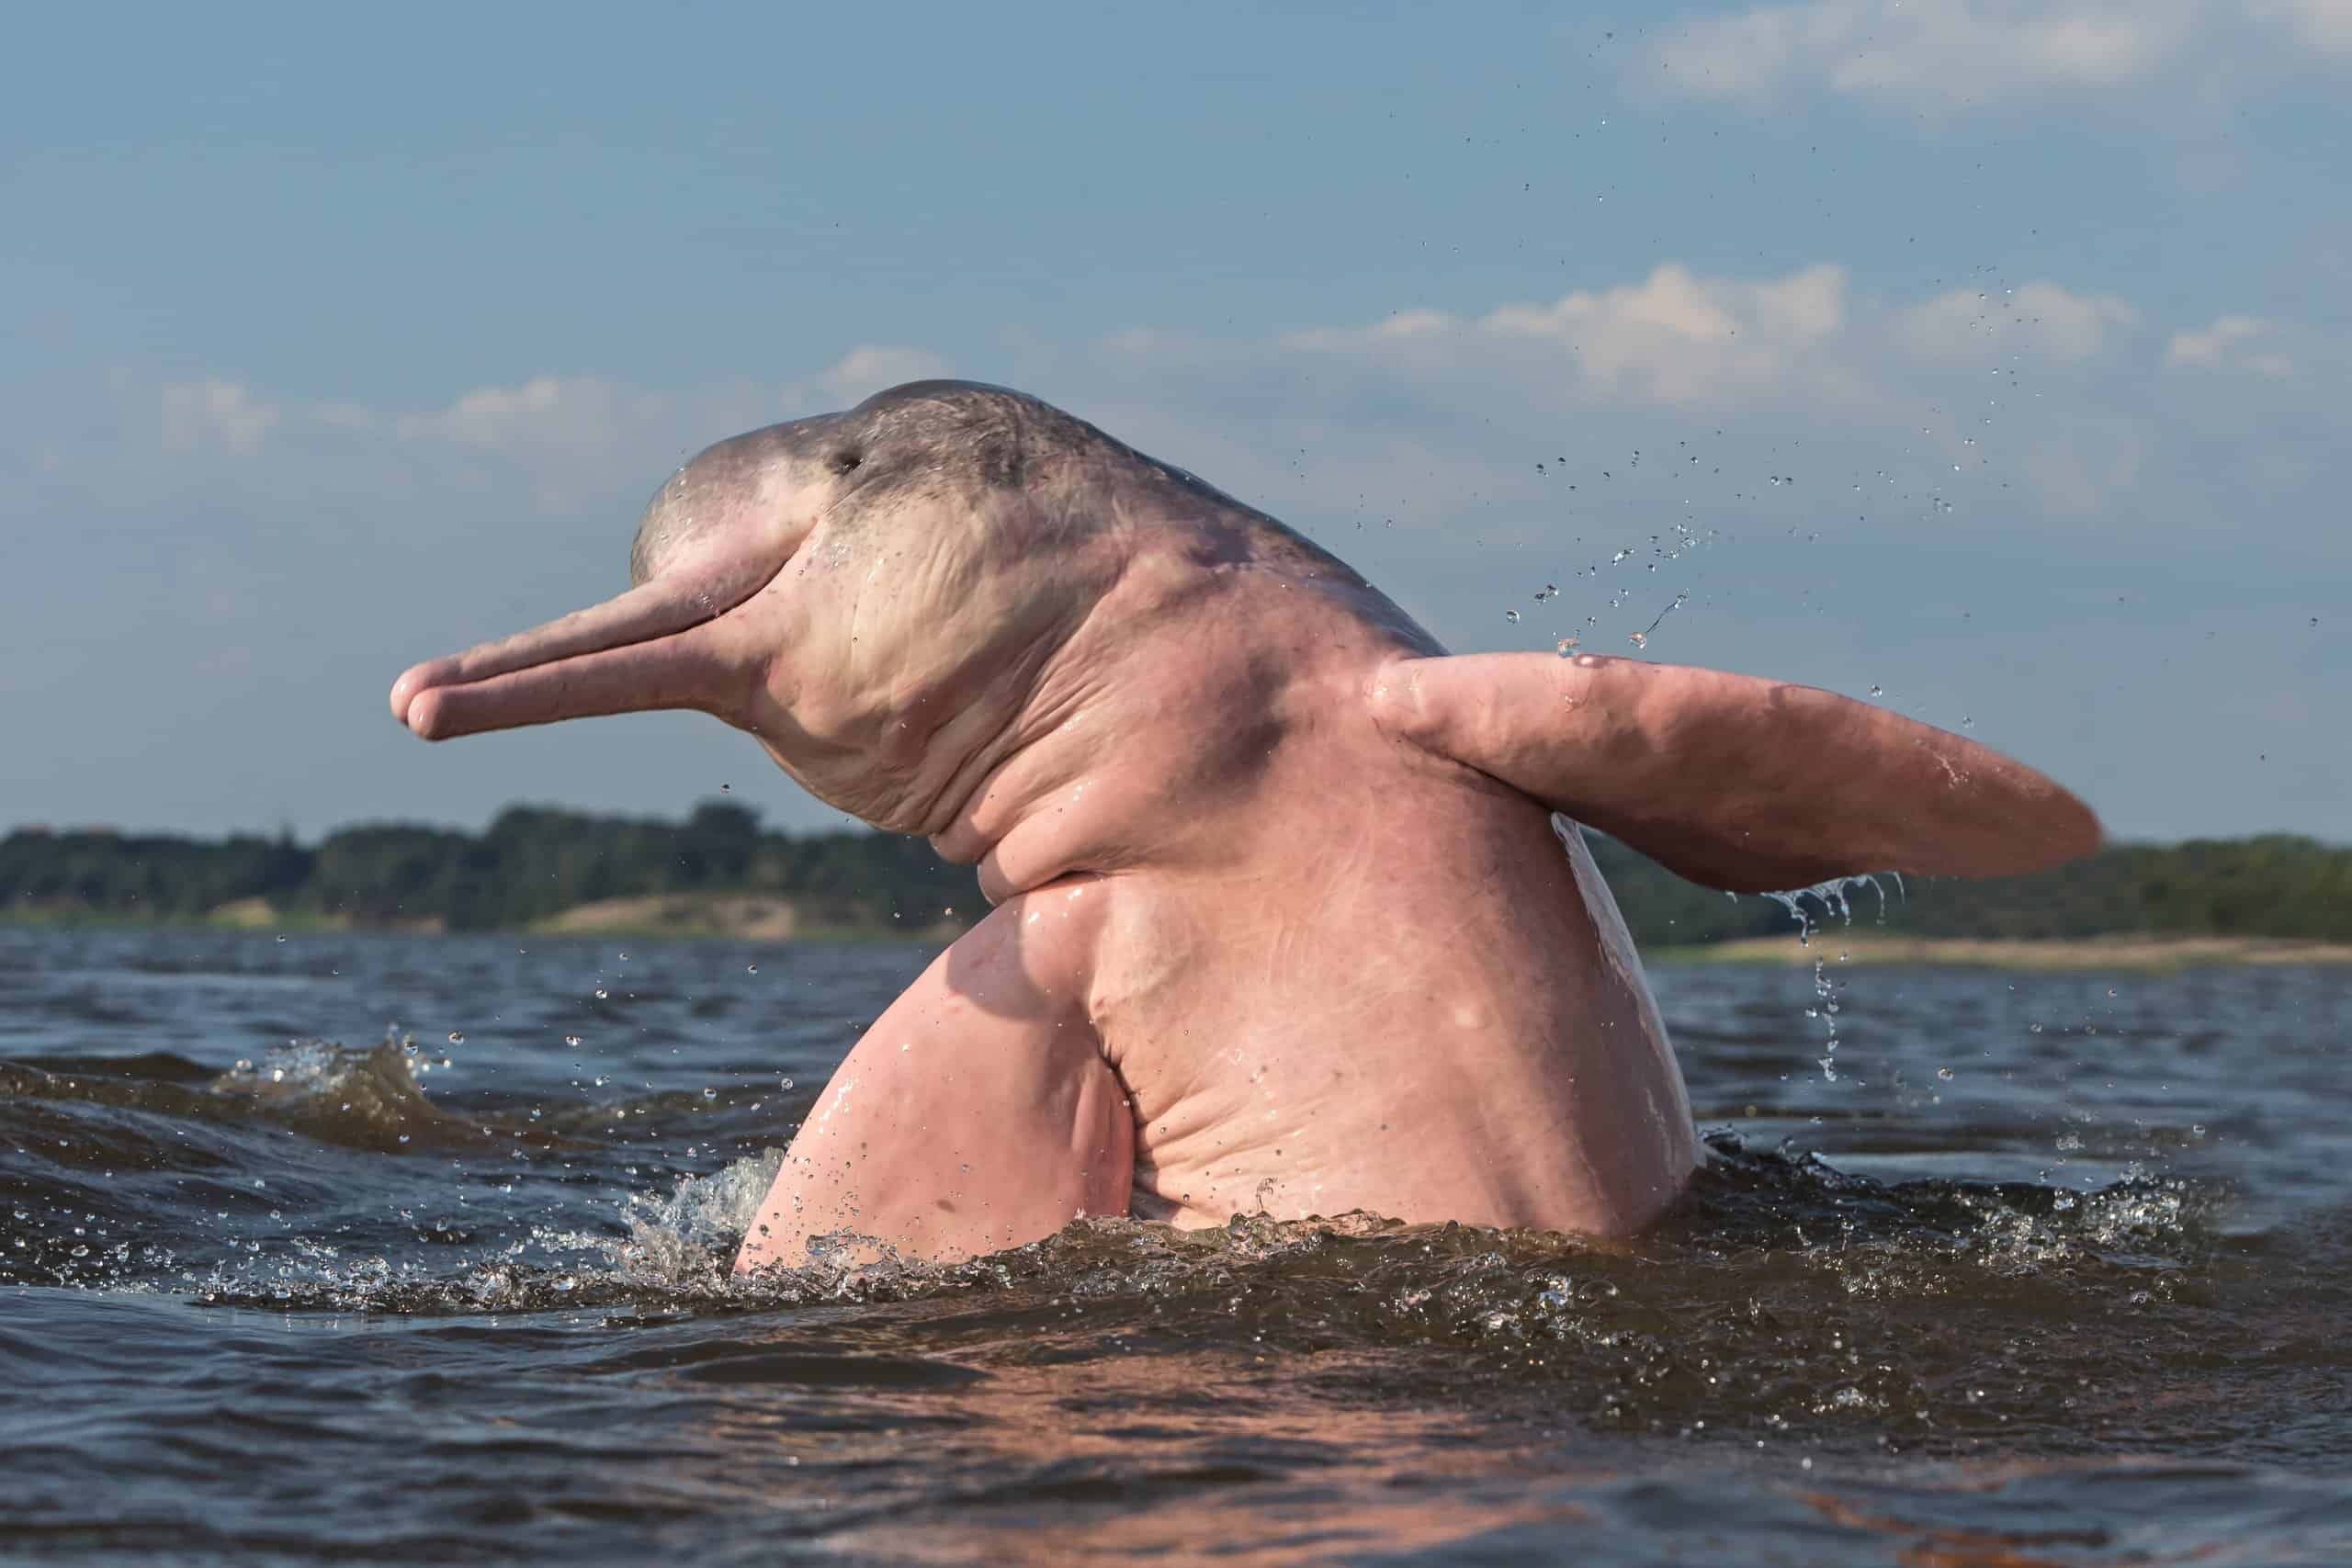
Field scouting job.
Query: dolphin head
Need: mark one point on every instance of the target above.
(881, 596)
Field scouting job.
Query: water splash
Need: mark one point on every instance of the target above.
(1831, 896)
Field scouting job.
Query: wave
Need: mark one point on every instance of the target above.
(369, 1098)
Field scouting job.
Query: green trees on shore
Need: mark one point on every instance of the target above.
(531, 862)
(2277, 887)
(535, 862)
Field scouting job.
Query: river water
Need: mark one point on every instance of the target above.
(376, 1249)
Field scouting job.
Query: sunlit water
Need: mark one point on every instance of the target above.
(2068, 1282)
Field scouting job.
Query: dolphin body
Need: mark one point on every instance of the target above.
(1280, 923)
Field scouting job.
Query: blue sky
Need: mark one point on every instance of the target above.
(1996, 357)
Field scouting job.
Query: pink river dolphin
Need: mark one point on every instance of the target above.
(1281, 920)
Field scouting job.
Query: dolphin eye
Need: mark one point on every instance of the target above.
(847, 459)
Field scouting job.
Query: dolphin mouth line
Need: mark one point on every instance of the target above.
(648, 647)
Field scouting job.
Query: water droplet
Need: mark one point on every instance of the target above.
(751, 968)
(1568, 645)
(404, 1137)
(602, 994)
(785, 1082)
(1878, 691)
(457, 1037)
(1944, 1073)
(710, 1094)
(281, 938)
(1511, 615)
(574, 1040)
(1639, 639)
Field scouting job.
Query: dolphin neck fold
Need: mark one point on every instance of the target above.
(1162, 712)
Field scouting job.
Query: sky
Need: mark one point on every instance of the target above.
(1989, 361)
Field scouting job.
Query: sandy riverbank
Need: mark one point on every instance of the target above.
(743, 917)
(751, 917)
(2133, 952)
(757, 917)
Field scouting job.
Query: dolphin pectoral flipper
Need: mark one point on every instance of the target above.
(1733, 781)
(975, 1114)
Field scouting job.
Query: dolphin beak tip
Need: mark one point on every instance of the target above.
(413, 683)
(423, 716)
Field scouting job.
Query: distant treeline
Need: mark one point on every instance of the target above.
(2278, 886)
(532, 862)
(535, 862)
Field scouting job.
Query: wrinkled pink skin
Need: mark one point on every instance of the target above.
(1280, 922)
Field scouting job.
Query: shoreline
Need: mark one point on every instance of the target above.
(765, 918)
(2139, 952)
(775, 920)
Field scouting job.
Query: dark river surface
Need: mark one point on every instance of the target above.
(375, 1248)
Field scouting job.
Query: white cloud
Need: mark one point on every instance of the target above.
(1432, 416)
(1422, 416)
(1943, 55)
(546, 420)
(2041, 318)
(1678, 339)
(567, 441)
(2230, 343)
(1686, 340)
(869, 368)
(226, 415)
(1673, 339)
(2082, 466)
(2324, 25)
(555, 416)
